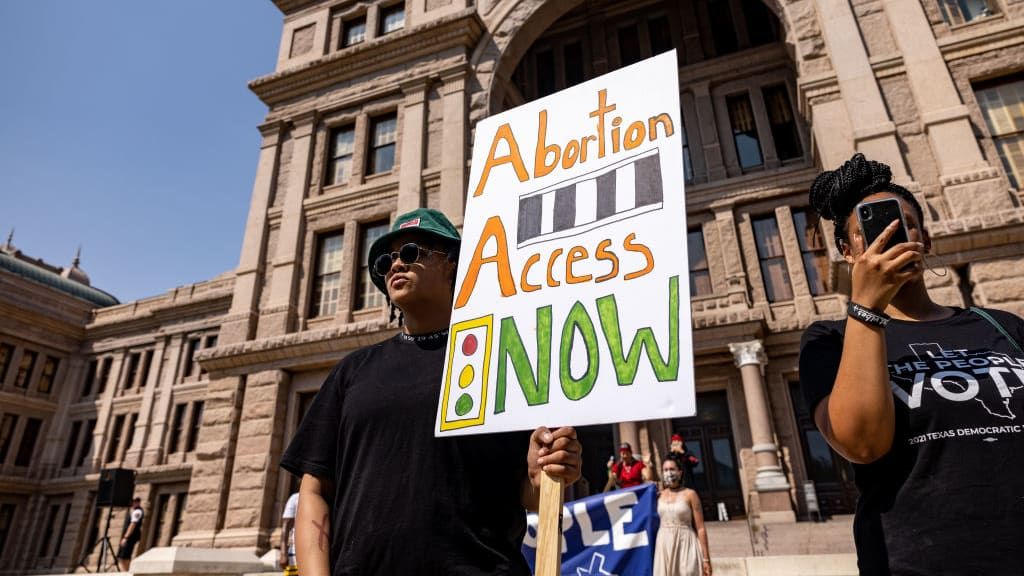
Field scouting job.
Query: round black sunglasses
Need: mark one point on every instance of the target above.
(408, 254)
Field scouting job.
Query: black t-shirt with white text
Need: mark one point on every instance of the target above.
(948, 498)
(404, 501)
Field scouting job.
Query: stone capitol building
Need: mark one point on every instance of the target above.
(372, 106)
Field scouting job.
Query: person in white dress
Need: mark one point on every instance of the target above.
(681, 548)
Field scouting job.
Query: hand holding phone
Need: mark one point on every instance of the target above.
(875, 216)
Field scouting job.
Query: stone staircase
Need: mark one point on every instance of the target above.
(732, 539)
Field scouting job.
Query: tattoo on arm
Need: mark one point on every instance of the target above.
(322, 537)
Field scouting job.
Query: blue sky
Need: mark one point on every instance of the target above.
(128, 128)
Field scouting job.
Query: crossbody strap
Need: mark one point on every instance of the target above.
(999, 327)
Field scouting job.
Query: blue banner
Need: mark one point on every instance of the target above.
(610, 534)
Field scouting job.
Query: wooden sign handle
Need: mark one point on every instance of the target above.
(549, 527)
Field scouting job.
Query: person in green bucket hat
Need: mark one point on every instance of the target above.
(401, 500)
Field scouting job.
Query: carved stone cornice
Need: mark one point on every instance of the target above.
(461, 29)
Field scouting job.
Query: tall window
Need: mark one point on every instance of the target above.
(147, 362)
(744, 131)
(575, 69)
(629, 45)
(192, 348)
(354, 31)
(90, 378)
(392, 18)
(762, 26)
(90, 427)
(700, 276)
(660, 34)
(50, 365)
(27, 447)
(367, 295)
(687, 164)
(7, 424)
(193, 426)
(961, 11)
(339, 167)
(161, 512)
(53, 530)
(783, 123)
(1003, 107)
(114, 444)
(104, 375)
(812, 249)
(179, 514)
(546, 82)
(723, 31)
(28, 362)
(382, 144)
(134, 361)
(327, 283)
(69, 450)
(773, 260)
(6, 524)
(6, 353)
(177, 428)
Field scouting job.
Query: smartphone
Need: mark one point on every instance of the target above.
(876, 215)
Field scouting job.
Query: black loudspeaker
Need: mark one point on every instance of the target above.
(116, 487)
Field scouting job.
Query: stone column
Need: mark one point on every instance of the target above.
(240, 323)
(410, 169)
(249, 519)
(134, 456)
(874, 133)
(770, 482)
(629, 433)
(731, 250)
(279, 315)
(453, 139)
(210, 483)
(165, 371)
(970, 184)
(709, 131)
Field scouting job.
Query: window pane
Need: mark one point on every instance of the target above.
(780, 116)
(762, 26)
(744, 131)
(695, 250)
(339, 168)
(28, 362)
(355, 31)
(193, 427)
(661, 35)
(392, 19)
(382, 145)
(1003, 108)
(87, 437)
(69, 450)
(812, 246)
(90, 378)
(177, 427)
(7, 425)
(725, 463)
(545, 72)
(629, 45)
(114, 442)
(687, 164)
(6, 352)
(722, 28)
(773, 264)
(574, 67)
(367, 294)
(330, 254)
(50, 366)
(6, 524)
(28, 442)
(700, 283)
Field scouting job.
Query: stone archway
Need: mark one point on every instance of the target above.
(512, 26)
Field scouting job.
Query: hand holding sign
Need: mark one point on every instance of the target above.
(556, 453)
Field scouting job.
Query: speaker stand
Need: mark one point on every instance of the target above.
(105, 546)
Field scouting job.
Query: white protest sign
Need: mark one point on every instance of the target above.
(572, 293)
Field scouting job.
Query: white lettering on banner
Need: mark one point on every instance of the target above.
(620, 512)
(914, 400)
(590, 536)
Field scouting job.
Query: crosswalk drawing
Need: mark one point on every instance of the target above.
(623, 190)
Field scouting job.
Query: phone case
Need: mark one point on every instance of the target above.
(874, 216)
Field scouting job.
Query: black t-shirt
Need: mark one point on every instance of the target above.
(948, 498)
(406, 502)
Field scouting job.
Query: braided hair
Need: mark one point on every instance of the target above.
(835, 193)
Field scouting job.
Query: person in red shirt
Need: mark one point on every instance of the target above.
(628, 471)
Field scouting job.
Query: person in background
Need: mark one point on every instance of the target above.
(288, 563)
(380, 494)
(681, 547)
(686, 460)
(923, 398)
(628, 471)
(132, 534)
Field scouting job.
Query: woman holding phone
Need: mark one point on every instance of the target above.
(926, 400)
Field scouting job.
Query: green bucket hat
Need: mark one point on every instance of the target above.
(426, 220)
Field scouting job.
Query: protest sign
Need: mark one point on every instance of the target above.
(572, 294)
(610, 533)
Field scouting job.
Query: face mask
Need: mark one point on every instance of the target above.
(671, 477)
